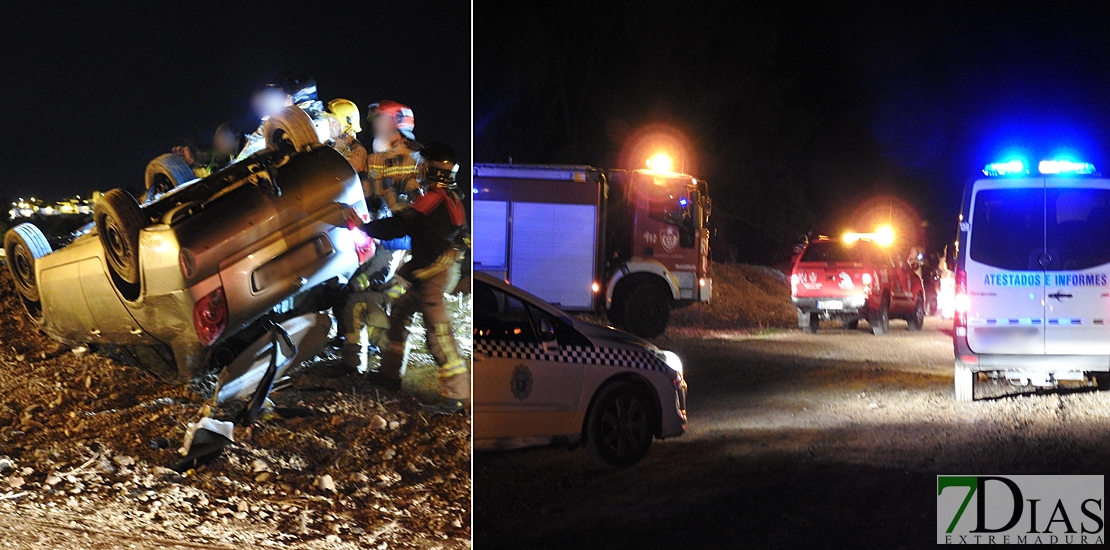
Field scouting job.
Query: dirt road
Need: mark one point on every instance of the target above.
(795, 441)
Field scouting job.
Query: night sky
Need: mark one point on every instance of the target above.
(800, 114)
(92, 94)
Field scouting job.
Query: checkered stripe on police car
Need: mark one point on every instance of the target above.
(573, 354)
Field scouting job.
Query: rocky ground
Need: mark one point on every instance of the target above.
(85, 445)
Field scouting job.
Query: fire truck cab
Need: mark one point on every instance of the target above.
(633, 243)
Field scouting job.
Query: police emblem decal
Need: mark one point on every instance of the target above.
(668, 237)
(521, 383)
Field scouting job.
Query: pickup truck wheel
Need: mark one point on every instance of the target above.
(166, 172)
(645, 310)
(290, 130)
(812, 323)
(618, 429)
(965, 384)
(917, 319)
(24, 244)
(880, 319)
(118, 222)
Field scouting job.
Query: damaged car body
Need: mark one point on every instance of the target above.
(204, 274)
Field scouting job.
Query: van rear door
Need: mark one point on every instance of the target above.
(1077, 239)
(1005, 267)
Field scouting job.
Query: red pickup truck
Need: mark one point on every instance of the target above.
(852, 279)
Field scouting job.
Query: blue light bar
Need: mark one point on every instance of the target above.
(1014, 167)
(682, 202)
(1065, 167)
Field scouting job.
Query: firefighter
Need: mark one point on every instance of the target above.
(435, 221)
(269, 99)
(392, 162)
(345, 113)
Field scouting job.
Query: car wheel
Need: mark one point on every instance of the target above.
(165, 173)
(812, 323)
(880, 318)
(852, 325)
(24, 244)
(619, 428)
(646, 310)
(290, 130)
(965, 384)
(917, 319)
(118, 222)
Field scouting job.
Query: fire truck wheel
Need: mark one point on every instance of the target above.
(880, 319)
(166, 172)
(291, 129)
(24, 245)
(965, 384)
(916, 320)
(812, 323)
(645, 310)
(852, 325)
(118, 222)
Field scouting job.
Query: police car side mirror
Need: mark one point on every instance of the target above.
(547, 330)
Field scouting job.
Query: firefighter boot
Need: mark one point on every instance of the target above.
(388, 375)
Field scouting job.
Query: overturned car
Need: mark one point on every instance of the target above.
(202, 274)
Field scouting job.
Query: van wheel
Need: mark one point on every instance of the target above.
(812, 323)
(118, 222)
(645, 310)
(618, 429)
(880, 319)
(24, 244)
(166, 172)
(290, 130)
(917, 319)
(965, 384)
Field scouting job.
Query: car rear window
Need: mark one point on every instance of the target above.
(1007, 228)
(1077, 235)
(837, 252)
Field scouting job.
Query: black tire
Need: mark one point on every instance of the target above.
(166, 172)
(118, 222)
(852, 325)
(619, 428)
(645, 310)
(24, 244)
(290, 130)
(916, 320)
(812, 323)
(880, 319)
(965, 384)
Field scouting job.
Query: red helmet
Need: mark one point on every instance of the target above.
(401, 115)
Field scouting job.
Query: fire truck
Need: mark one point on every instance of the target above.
(631, 243)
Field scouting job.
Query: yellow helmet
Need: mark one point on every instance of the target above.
(347, 112)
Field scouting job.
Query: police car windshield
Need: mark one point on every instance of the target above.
(1017, 229)
(839, 252)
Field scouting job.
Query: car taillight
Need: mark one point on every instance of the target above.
(364, 245)
(793, 284)
(961, 303)
(210, 317)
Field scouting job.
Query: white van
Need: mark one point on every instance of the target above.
(1033, 263)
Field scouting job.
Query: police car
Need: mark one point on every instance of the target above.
(542, 377)
(1032, 278)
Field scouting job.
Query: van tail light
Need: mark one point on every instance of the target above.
(962, 302)
(793, 285)
(210, 317)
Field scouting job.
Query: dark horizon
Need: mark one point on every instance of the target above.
(96, 92)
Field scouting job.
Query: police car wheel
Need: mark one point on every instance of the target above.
(965, 384)
(880, 319)
(24, 244)
(619, 428)
(118, 222)
(917, 319)
(813, 322)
